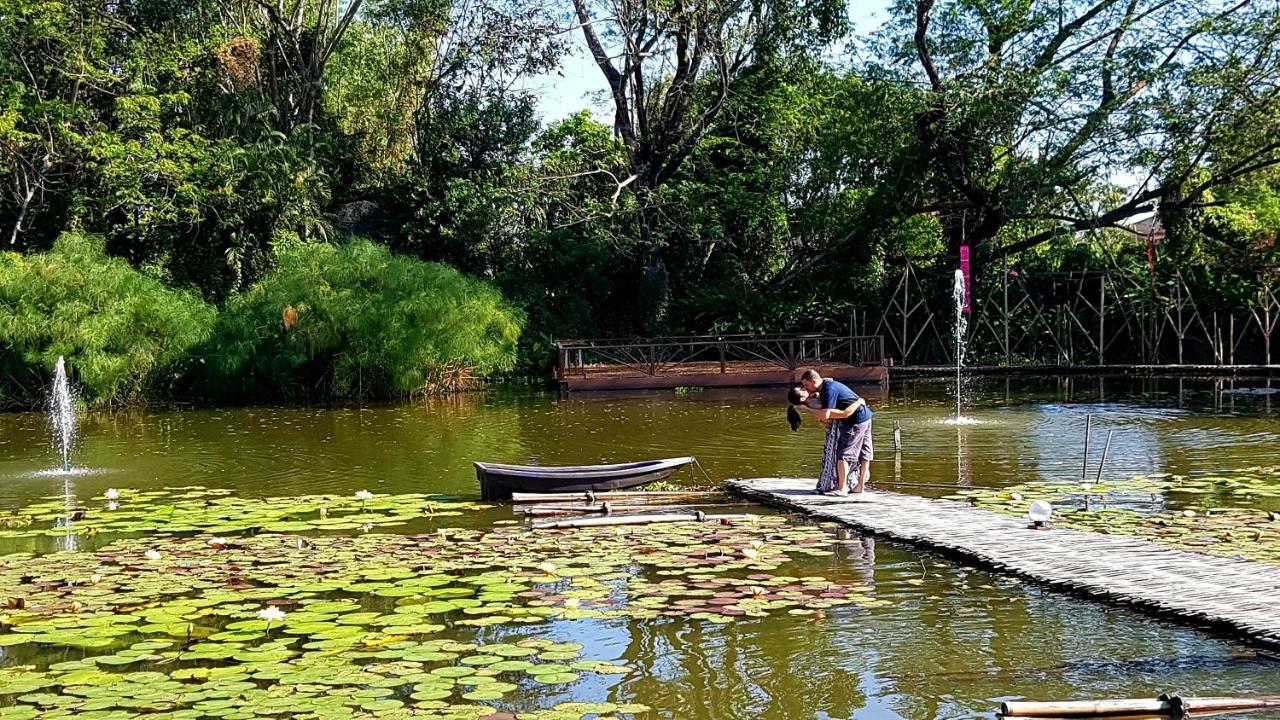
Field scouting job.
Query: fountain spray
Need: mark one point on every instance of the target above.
(62, 413)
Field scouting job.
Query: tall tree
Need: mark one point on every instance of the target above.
(670, 68)
(1030, 102)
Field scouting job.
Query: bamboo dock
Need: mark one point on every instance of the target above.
(1241, 597)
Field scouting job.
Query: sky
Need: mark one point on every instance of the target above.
(563, 94)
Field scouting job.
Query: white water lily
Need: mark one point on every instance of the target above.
(757, 544)
(113, 505)
(757, 590)
(547, 567)
(1086, 486)
(324, 512)
(152, 554)
(750, 553)
(363, 495)
(572, 603)
(111, 494)
(271, 614)
(1016, 496)
(95, 578)
(219, 542)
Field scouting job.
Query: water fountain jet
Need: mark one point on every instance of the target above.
(962, 326)
(62, 413)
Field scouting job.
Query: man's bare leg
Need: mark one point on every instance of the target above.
(864, 474)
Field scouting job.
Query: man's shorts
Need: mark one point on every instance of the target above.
(855, 444)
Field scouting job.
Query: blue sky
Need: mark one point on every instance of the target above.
(571, 91)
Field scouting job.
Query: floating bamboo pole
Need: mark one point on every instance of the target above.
(636, 520)
(1172, 706)
(607, 508)
(938, 486)
(609, 495)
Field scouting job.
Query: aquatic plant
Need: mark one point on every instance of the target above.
(1231, 514)
(358, 321)
(371, 624)
(198, 509)
(123, 333)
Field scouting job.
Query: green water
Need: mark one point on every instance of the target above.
(950, 642)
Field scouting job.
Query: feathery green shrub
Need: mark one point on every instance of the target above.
(355, 320)
(123, 333)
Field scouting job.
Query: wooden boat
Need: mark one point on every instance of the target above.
(498, 481)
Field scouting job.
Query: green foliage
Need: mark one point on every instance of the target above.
(357, 321)
(764, 182)
(123, 333)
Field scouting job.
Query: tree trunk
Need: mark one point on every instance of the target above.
(22, 215)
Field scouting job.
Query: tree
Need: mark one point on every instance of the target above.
(53, 73)
(670, 67)
(1029, 103)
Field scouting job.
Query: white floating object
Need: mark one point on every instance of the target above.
(1040, 511)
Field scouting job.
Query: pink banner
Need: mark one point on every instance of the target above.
(964, 268)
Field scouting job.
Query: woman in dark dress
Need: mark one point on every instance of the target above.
(837, 424)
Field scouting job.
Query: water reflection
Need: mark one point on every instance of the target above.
(1032, 429)
(69, 541)
(948, 641)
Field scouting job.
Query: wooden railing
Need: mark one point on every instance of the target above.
(657, 356)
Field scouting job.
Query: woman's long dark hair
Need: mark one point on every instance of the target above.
(794, 399)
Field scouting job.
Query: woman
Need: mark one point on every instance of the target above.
(834, 420)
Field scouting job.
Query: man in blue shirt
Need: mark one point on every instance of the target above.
(854, 444)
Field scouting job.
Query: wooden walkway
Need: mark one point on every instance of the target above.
(733, 373)
(1239, 596)
(716, 360)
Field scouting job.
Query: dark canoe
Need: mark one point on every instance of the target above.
(498, 481)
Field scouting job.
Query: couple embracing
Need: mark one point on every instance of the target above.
(847, 448)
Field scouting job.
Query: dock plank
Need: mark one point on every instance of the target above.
(1236, 595)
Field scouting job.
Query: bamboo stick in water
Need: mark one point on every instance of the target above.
(1173, 706)
(609, 495)
(635, 520)
(608, 508)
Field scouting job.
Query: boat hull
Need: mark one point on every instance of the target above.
(498, 481)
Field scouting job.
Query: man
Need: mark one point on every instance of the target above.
(855, 442)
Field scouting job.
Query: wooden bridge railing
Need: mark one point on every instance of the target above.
(657, 356)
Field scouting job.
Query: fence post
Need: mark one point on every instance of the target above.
(1005, 283)
(722, 363)
(906, 282)
(1102, 318)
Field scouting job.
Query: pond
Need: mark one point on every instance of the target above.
(779, 620)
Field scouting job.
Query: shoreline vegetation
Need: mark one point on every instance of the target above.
(328, 323)
(362, 199)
